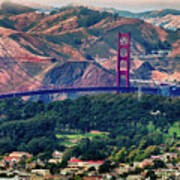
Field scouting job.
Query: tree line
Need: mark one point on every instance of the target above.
(133, 125)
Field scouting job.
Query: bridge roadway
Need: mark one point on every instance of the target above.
(145, 90)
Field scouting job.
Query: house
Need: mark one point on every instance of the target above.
(170, 156)
(136, 164)
(24, 155)
(93, 178)
(75, 163)
(57, 155)
(77, 166)
(146, 162)
(2, 164)
(94, 164)
(30, 165)
(170, 166)
(178, 166)
(98, 132)
(178, 148)
(54, 161)
(143, 164)
(134, 177)
(159, 157)
(123, 168)
(41, 172)
(12, 159)
(69, 171)
(52, 177)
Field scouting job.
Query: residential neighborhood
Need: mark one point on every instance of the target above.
(23, 165)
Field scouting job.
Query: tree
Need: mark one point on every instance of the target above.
(121, 155)
(91, 169)
(159, 164)
(54, 168)
(150, 174)
(67, 155)
(105, 167)
(22, 164)
(6, 145)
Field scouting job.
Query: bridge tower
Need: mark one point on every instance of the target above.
(123, 56)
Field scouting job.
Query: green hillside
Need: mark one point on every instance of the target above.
(41, 128)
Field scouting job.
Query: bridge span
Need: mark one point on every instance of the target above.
(145, 90)
(123, 54)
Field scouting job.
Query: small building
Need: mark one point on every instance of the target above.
(2, 164)
(178, 148)
(146, 162)
(170, 156)
(134, 177)
(69, 171)
(93, 178)
(57, 155)
(143, 164)
(12, 159)
(160, 157)
(54, 161)
(94, 164)
(25, 155)
(30, 165)
(75, 163)
(136, 164)
(41, 172)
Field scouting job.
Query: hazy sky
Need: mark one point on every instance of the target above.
(133, 5)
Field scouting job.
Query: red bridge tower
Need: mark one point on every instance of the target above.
(123, 55)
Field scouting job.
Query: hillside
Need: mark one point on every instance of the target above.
(127, 122)
(11, 8)
(166, 18)
(81, 40)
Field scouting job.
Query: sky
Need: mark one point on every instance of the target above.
(132, 5)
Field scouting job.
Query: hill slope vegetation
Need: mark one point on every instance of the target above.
(34, 126)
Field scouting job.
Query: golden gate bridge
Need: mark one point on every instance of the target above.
(123, 69)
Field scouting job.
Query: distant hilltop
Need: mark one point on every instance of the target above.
(167, 18)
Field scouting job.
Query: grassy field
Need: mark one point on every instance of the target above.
(175, 129)
(73, 139)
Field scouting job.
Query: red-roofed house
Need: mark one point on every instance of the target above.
(75, 163)
(99, 162)
(94, 164)
(12, 159)
(157, 157)
(93, 178)
(96, 132)
(146, 162)
(20, 154)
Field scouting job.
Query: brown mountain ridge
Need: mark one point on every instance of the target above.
(83, 42)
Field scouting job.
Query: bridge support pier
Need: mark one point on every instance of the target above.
(123, 55)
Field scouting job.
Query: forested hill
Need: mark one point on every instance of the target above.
(33, 126)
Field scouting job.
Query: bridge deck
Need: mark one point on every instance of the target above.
(145, 90)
